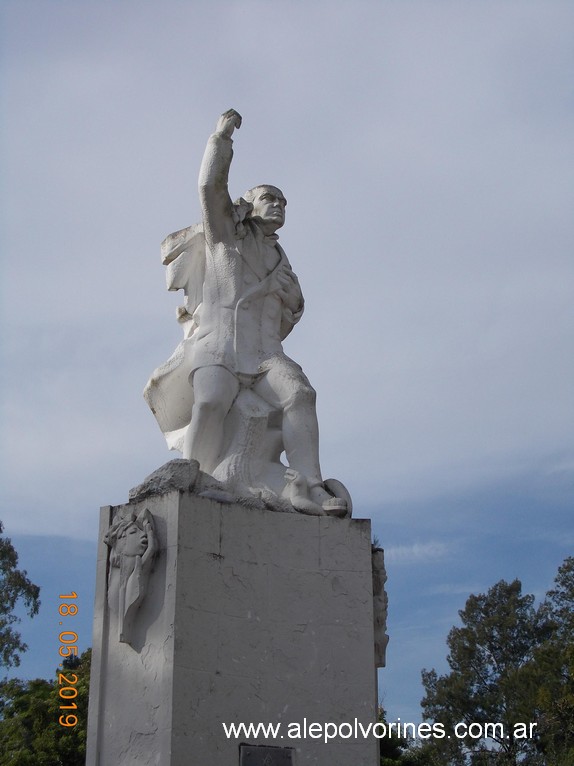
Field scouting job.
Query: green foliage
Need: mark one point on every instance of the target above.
(391, 748)
(421, 754)
(30, 732)
(395, 750)
(14, 586)
(510, 663)
(553, 671)
(560, 601)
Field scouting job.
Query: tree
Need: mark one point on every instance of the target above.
(14, 586)
(392, 747)
(491, 681)
(30, 730)
(553, 671)
(560, 601)
(397, 750)
(25, 711)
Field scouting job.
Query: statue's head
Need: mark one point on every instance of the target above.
(126, 537)
(268, 206)
(133, 540)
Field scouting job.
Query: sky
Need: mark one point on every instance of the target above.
(426, 150)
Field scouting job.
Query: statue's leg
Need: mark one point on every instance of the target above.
(286, 387)
(214, 389)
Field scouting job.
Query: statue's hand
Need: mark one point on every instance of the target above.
(285, 279)
(151, 538)
(287, 287)
(291, 475)
(227, 123)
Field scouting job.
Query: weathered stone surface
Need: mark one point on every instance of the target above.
(250, 616)
(380, 607)
(178, 475)
(260, 755)
(132, 543)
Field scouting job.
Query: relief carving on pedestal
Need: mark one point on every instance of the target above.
(132, 542)
(380, 606)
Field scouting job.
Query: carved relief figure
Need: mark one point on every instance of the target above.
(230, 397)
(380, 606)
(133, 546)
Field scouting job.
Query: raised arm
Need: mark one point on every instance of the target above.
(213, 193)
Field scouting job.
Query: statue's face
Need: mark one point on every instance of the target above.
(134, 541)
(269, 206)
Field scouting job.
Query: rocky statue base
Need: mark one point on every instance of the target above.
(211, 613)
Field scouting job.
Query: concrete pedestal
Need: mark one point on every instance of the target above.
(250, 617)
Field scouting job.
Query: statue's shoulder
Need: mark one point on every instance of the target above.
(191, 239)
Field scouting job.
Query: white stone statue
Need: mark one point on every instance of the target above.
(229, 397)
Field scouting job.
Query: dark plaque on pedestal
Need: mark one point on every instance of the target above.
(264, 755)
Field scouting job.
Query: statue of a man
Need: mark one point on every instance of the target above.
(243, 299)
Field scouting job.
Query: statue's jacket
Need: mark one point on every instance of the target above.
(241, 320)
(233, 315)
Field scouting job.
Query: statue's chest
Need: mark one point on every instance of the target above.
(232, 273)
(260, 259)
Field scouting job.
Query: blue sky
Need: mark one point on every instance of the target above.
(426, 150)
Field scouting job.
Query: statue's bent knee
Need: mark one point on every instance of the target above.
(210, 408)
(302, 395)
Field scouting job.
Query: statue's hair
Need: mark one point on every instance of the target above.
(118, 530)
(250, 194)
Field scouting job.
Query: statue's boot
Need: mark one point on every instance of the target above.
(297, 490)
(336, 506)
(332, 506)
